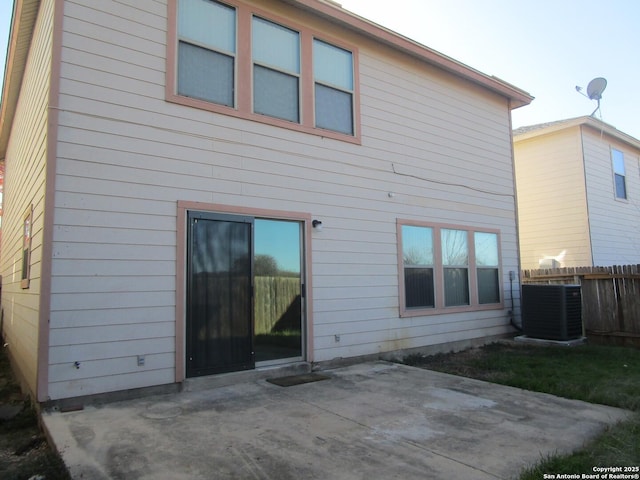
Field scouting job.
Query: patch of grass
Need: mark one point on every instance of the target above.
(618, 446)
(596, 374)
(592, 373)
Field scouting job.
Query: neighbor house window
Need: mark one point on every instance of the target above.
(27, 231)
(276, 70)
(236, 59)
(446, 268)
(333, 72)
(620, 182)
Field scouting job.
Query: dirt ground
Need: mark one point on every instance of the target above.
(24, 452)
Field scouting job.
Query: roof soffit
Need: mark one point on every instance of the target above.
(533, 131)
(23, 21)
(351, 21)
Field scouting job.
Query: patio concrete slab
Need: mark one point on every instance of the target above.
(375, 420)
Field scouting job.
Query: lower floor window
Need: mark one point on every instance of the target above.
(27, 231)
(456, 286)
(488, 285)
(445, 267)
(418, 284)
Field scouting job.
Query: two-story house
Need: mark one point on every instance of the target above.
(578, 184)
(198, 186)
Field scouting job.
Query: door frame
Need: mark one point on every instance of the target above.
(181, 271)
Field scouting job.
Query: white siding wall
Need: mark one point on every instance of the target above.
(126, 157)
(615, 224)
(24, 185)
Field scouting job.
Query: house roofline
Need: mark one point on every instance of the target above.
(334, 13)
(532, 131)
(25, 13)
(23, 21)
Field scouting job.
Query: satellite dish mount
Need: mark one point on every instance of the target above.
(594, 91)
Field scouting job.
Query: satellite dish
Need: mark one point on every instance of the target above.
(595, 88)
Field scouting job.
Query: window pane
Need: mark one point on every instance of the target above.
(205, 74)
(25, 264)
(334, 110)
(488, 288)
(208, 23)
(619, 174)
(618, 161)
(277, 297)
(275, 94)
(333, 65)
(27, 231)
(621, 187)
(486, 245)
(456, 287)
(455, 251)
(276, 46)
(417, 245)
(418, 287)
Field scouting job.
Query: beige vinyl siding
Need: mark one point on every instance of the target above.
(615, 223)
(552, 207)
(126, 157)
(113, 290)
(24, 185)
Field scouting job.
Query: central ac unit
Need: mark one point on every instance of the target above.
(552, 312)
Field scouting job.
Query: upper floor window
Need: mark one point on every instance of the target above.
(619, 178)
(333, 72)
(236, 59)
(447, 268)
(206, 51)
(276, 70)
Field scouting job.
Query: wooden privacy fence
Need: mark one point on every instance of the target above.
(610, 299)
(277, 304)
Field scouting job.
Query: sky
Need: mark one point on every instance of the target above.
(544, 47)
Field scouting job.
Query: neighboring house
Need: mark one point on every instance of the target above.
(578, 188)
(168, 162)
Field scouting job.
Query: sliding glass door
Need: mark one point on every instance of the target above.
(245, 292)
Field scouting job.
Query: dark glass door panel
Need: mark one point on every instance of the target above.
(219, 294)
